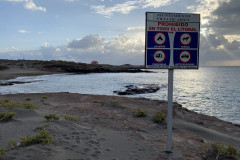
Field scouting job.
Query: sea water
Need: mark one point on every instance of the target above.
(213, 91)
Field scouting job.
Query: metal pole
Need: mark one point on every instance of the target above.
(170, 110)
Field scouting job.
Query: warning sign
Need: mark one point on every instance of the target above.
(159, 38)
(172, 40)
(185, 39)
(185, 56)
(159, 56)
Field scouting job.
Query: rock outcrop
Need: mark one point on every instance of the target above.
(138, 89)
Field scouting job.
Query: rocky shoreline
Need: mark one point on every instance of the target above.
(139, 89)
(69, 67)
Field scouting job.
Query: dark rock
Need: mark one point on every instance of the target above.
(9, 83)
(139, 89)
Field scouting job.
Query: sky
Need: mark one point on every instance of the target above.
(110, 31)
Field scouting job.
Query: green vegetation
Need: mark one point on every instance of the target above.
(38, 128)
(27, 105)
(43, 136)
(28, 99)
(6, 100)
(5, 116)
(159, 117)
(51, 116)
(219, 151)
(101, 102)
(2, 151)
(140, 113)
(46, 124)
(44, 97)
(113, 103)
(74, 119)
(12, 144)
(43, 100)
(45, 103)
(3, 67)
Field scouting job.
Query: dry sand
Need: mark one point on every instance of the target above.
(108, 128)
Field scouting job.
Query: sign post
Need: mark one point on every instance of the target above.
(172, 42)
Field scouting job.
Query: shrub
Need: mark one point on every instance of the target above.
(46, 124)
(219, 151)
(45, 103)
(5, 116)
(44, 97)
(3, 67)
(51, 116)
(2, 151)
(74, 119)
(6, 100)
(38, 128)
(43, 100)
(140, 113)
(12, 144)
(7, 103)
(28, 99)
(159, 117)
(101, 102)
(29, 105)
(43, 136)
(114, 103)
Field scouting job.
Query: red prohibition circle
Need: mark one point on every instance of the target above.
(188, 42)
(163, 41)
(181, 55)
(161, 60)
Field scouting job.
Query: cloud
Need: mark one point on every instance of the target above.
(29, 4)
(46, 44)
(219, 16)
(214, 48)
(227, 18)
(224, 63)
(128, 6)
(32, 6)
(205, 8)
(22, 31)
(17, 0)
(125, 48)
(123, 8)
(220, 39)
(88, 42)
(155, 3)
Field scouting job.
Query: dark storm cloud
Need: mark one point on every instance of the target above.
(228, 18)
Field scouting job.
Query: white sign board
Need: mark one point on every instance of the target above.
(175, 37)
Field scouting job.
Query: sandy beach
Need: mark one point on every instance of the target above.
(107, 127)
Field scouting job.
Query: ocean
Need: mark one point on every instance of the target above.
(213, 91)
